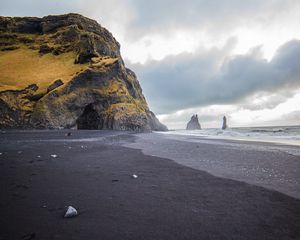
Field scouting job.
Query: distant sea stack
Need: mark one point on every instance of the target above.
(224, 125)
(193, 124)
(66, 71)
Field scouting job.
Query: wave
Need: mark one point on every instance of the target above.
(285, 135)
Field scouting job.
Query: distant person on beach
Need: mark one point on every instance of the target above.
(224, 126)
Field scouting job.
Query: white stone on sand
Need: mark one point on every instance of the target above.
(71, 212)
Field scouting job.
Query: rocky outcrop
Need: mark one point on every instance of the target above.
(55, 84)
(193, 124)
(104, 94)
(224, 125)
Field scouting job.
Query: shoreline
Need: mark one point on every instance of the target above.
(260, 139)
(276, 141)
(274, 166)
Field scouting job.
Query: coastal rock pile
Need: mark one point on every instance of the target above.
(66, 71)
(193, 124)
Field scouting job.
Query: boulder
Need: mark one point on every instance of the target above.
(44, 49)
(54, 85)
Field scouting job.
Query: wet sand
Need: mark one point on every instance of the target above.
(92, 172)
(270, 165)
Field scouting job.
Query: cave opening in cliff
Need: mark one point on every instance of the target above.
(89, 119)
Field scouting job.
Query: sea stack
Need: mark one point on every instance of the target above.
(224, 125)
(66, 71)
(193, 124)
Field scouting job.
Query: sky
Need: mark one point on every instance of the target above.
(207, 57)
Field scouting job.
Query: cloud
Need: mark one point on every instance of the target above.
(292, 118)
(197, 54)
(38, 8)
(209, 77)
(138, 18)
(218, 16)
(207, 23)
(240, 115)
(266, 100)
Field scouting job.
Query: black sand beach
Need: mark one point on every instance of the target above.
(92, 172)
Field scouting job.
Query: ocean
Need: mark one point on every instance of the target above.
(289, 135)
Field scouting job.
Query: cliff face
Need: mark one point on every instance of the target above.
(66, 71)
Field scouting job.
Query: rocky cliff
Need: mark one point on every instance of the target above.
(66, 71)
(193, 124)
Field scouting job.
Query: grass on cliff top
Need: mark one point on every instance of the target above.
(24, 66)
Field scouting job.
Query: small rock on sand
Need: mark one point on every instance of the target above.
(71, 212)
(54, 155)
(134, 176)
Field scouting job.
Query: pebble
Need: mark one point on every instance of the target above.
(71, 212)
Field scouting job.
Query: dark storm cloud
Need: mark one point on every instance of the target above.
(190, 80)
